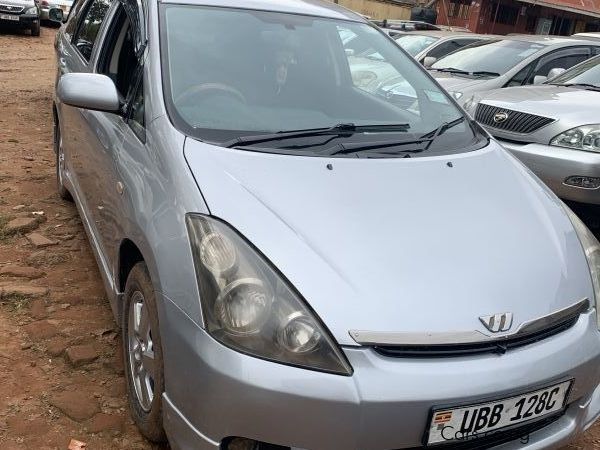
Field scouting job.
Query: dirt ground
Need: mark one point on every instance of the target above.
(61, 371)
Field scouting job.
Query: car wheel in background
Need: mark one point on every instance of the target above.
(142, 352)
(35, 29)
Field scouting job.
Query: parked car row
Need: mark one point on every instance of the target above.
(479, 70)
(29, 14)
(554, 128)
(539, 96)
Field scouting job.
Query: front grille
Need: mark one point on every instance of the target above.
(11, 9)
(515, 121)
(499, 437)
(498, 346)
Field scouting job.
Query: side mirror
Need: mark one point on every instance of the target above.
(539, 79)
(88, 91)
(556, 71)
(429, 61)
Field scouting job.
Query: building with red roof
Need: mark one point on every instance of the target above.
(553, 17)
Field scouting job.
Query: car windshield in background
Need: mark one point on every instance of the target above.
(586, 73)
(234, 74)
(415, 43)
(497, 56)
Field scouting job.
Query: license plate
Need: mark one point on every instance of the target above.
(9, 17)
(471, 422)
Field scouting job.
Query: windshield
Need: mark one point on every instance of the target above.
(235, 73)
(489, 56)
(587, 72)
(414, 43)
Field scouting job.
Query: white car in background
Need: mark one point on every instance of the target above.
(589, 35)
(429, 46)
(511, 61)
(47, 6)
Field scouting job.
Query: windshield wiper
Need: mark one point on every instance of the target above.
(427, 139)
(434, 134)
(593, 87)
(484, 73)
(342, 129)
(465, 72)
(452, 70)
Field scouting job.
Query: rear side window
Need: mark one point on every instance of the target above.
(89, 28)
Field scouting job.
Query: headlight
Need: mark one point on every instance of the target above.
(457, 95)
(470, 105)
(250, 307)
(586, 137)
(591, 247)
(32, 10)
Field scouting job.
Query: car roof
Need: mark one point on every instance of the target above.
(588, 35)
(443, 34)
(320, 8)
(545, 40)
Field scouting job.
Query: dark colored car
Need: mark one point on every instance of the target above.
(21, 13)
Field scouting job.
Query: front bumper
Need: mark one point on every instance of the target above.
(555, 164)
(213, 393)
(25, 20)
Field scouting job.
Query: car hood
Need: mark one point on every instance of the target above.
(401, 245)
(547, 100)
(457, 83)
(23, 3)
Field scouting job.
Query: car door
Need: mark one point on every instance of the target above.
(79, 131)
(121, 59)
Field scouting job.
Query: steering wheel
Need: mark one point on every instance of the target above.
(201, 91)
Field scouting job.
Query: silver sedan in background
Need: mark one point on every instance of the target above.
(54, 10)
(510, 61)
(554, 128)
(429, 46)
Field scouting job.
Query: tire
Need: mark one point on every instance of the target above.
(145, 381)
(35, 29)
(63, 192)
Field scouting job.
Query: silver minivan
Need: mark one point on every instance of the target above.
(299, 262)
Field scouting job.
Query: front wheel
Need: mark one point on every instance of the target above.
(143, 354)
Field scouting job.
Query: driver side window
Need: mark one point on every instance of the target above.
(564, 59)
(119, 62)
